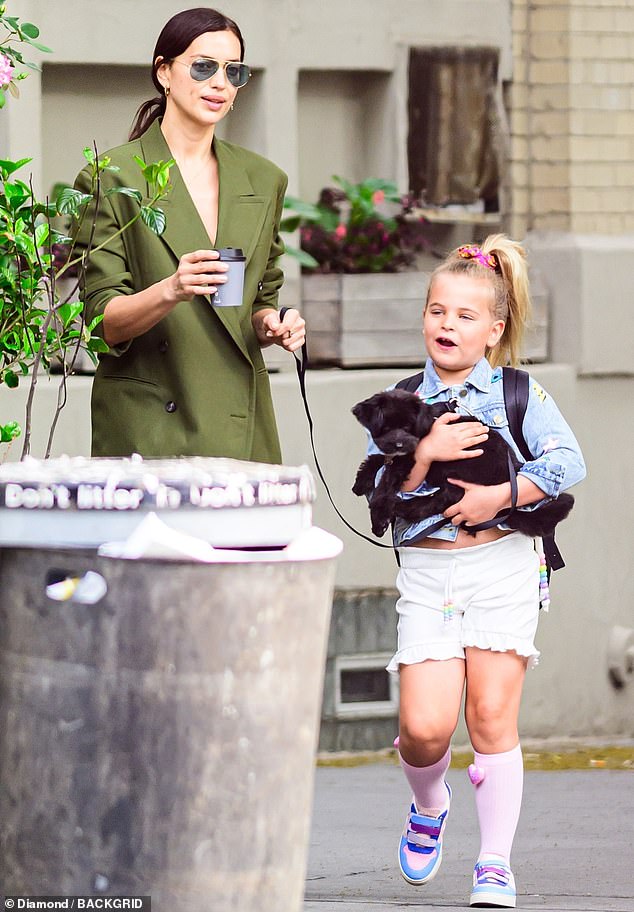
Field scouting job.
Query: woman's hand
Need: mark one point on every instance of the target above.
(290, 333)
(198, 273)
(479, 503)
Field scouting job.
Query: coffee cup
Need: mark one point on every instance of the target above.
(229, 294)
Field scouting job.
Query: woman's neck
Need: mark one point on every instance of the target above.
(187, 141)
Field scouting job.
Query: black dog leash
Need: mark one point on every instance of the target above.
(300, 366)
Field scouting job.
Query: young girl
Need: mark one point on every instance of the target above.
(469, 604)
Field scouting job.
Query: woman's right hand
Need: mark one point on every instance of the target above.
(198, 273)
(447, 440)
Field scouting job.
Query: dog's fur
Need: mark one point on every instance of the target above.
(397, 420)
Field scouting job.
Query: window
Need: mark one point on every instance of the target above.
(363, 688)
(455, 141)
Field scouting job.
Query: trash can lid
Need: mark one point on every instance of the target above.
(72, 501)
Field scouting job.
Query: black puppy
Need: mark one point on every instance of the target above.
(397, 420)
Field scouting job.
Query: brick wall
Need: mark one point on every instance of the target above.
(572, 116)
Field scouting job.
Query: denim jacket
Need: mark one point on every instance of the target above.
(558, 466)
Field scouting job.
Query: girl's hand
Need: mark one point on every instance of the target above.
(198, 273)
(480, 502)
(447, 440)
(290, 333)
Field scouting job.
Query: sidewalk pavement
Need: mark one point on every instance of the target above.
(574, 849)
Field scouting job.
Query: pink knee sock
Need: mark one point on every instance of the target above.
(498, 800)
(428, 784)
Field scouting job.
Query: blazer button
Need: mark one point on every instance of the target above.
(260, 286)
(163, 345)
(170, 406)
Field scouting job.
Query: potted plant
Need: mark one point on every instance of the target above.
(362, 295)
(41, 320)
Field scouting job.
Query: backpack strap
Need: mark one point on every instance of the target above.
(516, 383)
(412, 383)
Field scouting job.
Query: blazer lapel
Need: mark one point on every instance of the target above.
(241, 212)
(184, 230)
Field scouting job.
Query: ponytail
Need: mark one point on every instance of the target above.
(147, 113)
(512, 300)
(508, 275)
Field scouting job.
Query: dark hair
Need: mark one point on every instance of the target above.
(176, 36)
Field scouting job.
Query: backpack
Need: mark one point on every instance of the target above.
(515, 387)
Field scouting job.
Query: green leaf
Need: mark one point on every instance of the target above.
(95, 322)
(97, 344)
(290, 224)
(69, 312)
(304, 258)
(7, 167)
(29, 30)
(9, 431)
(11, 379)
(70, 201)
(306, 211)
(40, 47)
(125, 191)
(3, 98)
(154, 219)
(41, 234)
(89, 154)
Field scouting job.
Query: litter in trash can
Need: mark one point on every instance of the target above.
(85, 590)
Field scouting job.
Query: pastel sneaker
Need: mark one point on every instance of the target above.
(493, 884)
(420, 849)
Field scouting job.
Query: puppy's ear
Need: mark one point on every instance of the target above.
(367, 412)
(424, 420)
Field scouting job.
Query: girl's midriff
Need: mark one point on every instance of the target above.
(463, 540)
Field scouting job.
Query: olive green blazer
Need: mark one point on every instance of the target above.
(196, 383)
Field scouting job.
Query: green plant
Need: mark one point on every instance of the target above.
(11, 58)
(38, 326)
(364, 227)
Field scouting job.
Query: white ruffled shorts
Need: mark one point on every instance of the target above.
(485, 596)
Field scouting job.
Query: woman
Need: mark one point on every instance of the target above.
(183, 377)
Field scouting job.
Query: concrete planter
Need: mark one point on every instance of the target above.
(364, 320)
(375, 320)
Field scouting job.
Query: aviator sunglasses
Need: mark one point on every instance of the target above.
(204, 68)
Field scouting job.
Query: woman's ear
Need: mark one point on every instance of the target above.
(161, 68)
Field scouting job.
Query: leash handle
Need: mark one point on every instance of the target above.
(300, 366)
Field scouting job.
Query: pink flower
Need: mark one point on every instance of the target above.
(6, 70)
(378, 196)
(341, 231)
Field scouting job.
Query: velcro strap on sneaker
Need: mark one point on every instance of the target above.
(424, 831)
(493, 874)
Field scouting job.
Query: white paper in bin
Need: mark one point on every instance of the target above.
(152, 539)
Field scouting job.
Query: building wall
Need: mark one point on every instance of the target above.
(569, 75)
(572, 117)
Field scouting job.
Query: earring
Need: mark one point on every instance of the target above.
(167, 91)
(231, 108)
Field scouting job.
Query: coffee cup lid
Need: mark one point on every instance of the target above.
(231, 253)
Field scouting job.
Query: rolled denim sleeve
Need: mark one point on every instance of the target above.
(560, 463)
